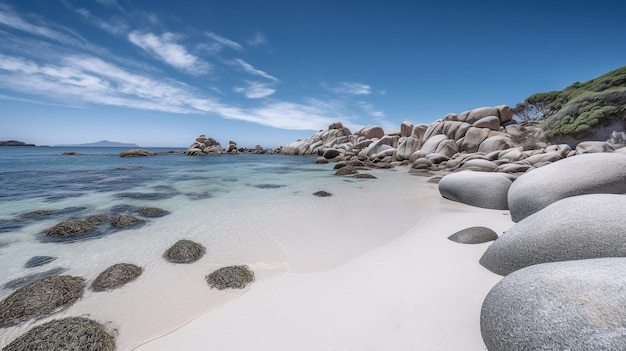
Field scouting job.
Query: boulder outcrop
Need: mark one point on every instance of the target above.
(574, 228)
(583, 174)
(480, 189)
(573, 305)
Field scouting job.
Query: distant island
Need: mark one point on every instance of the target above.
(14, 143)
(102, 143)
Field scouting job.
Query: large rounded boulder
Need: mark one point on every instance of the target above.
(68, 334)
(573, 305)
(577, 175)
(40, 299)
(480, 189)
(575, 228)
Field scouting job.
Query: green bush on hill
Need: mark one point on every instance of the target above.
(577, 109)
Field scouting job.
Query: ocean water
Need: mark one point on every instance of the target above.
(256, 210)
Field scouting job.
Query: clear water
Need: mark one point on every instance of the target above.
(256, 210)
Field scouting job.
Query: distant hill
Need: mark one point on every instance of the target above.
(102, 143)
(592, 110)
(14, 143)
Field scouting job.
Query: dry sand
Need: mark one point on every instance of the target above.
(420, 291)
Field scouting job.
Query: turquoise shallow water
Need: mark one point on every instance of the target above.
(245, 209)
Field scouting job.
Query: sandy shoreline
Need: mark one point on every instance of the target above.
(420, 291)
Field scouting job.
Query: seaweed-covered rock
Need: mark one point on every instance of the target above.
(152, 212)
(124, 221)
(322, 193)
(68, 334)
(72, 227)
(184, 251)
(474, 235)
(116, 276)
(347, 170)
(232, 277)
(40, 299)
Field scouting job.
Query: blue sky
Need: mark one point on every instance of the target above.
(159, 73)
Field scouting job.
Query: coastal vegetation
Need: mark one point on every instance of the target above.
(581, 109)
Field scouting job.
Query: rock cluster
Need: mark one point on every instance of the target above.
(208, 146)
(485, 139)
(564, 260)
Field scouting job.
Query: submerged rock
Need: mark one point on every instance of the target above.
(153, 212)
(68, 334)
(136, 152)
(184, 251)
(232, 277)
(40, 299)
(75, 226)
(37, 261)
(365, 176)
(116, 276)
(346, 170)
(322, 193)
(22, 281)
(125, 221)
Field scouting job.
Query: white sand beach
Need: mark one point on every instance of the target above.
(420, 291)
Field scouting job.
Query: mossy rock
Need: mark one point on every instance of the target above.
(346, 170)
(67, 334)
(232, 277)
(184, 251)
(40, 299)
(75, 226)
(116, 276)
(125, 221)
(152, 212)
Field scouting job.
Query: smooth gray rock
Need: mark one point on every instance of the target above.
(575, 228)
(480, 189)
(577, 175)
(474, 235)
(573, 305)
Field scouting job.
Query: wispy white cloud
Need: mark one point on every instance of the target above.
(91, 80)
(350, 88)
(259, 39)
(115, 26)
(219, 42)
(111, 4)
(11, 19)
(370, 109)
(255, 90)
(167, 50)
(250, 69)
